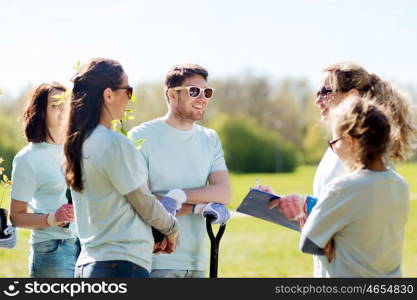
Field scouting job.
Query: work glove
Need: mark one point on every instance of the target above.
(219, 212)
(173, 201)
(10, 241)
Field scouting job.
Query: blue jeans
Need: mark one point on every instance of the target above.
(111, 269)
(54, 258)
(167, 273)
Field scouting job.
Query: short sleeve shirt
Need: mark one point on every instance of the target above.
(173, 159)
(108, 226)
(38, 179)
(365, 212)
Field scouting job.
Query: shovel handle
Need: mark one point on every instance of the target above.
(214, 245)
(69, 200)
(214, 238)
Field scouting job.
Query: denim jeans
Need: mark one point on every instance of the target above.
(167, 273)
(111, 269)
(54, 258)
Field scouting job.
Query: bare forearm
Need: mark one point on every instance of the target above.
(211, 193)
(29, 220)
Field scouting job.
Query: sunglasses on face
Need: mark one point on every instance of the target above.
(129, 91)
(333, 142)
(195, 92)
(324, 92)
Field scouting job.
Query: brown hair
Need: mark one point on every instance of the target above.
(179, 73)
(365, 121)
(346, 76)
(86, 106)
(34, 115)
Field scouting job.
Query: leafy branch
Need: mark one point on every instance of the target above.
(77, 65)
(117, 125)
(5, 182)
(62, 98)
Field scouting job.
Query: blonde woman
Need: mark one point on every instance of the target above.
(340, 81)
(363, 212)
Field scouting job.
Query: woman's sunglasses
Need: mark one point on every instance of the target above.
(129, 91)
(195, 92)
(324, 92)
(333, 142)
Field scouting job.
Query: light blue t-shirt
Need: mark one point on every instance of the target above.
(365, 212)
(38, 179)
(108, 226)
(329, 168)
(180, 159)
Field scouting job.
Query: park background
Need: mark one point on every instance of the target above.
(265, 61)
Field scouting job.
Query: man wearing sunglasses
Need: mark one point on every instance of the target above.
(184, 161)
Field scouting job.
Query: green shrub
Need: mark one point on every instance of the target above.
(11, 140)
(315, 143)
(250, 148)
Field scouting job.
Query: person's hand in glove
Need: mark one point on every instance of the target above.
(63, 215)
(219, 211)
(173, 201)
(10, 240)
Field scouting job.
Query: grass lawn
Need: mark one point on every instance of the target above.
(252, 247)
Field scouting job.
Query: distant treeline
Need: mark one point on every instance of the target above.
(264, 126)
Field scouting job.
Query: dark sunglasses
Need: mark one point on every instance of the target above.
(129, 91)
(324, 92)
(195, 91)
(332, 142)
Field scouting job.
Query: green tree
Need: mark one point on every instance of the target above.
(150, 105)
(11, 140)
(315, 138)
(250, 148)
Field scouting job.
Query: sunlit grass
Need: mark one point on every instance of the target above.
(252, 247)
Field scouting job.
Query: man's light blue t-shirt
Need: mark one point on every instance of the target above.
(172, 159)
(38, 179)
(108, 226)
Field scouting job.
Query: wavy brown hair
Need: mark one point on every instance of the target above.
(34, 115)
(346, 76)
(85, 110)
(366, 121)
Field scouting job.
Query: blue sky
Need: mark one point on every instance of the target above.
(42, 40)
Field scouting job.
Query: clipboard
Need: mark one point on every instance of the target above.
(255, 204)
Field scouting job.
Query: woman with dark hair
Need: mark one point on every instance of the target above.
(38, 182)
(114, 209)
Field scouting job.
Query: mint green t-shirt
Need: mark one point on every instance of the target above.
(38, 179)
(365, 212)
(108, 226)
(172, 159)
